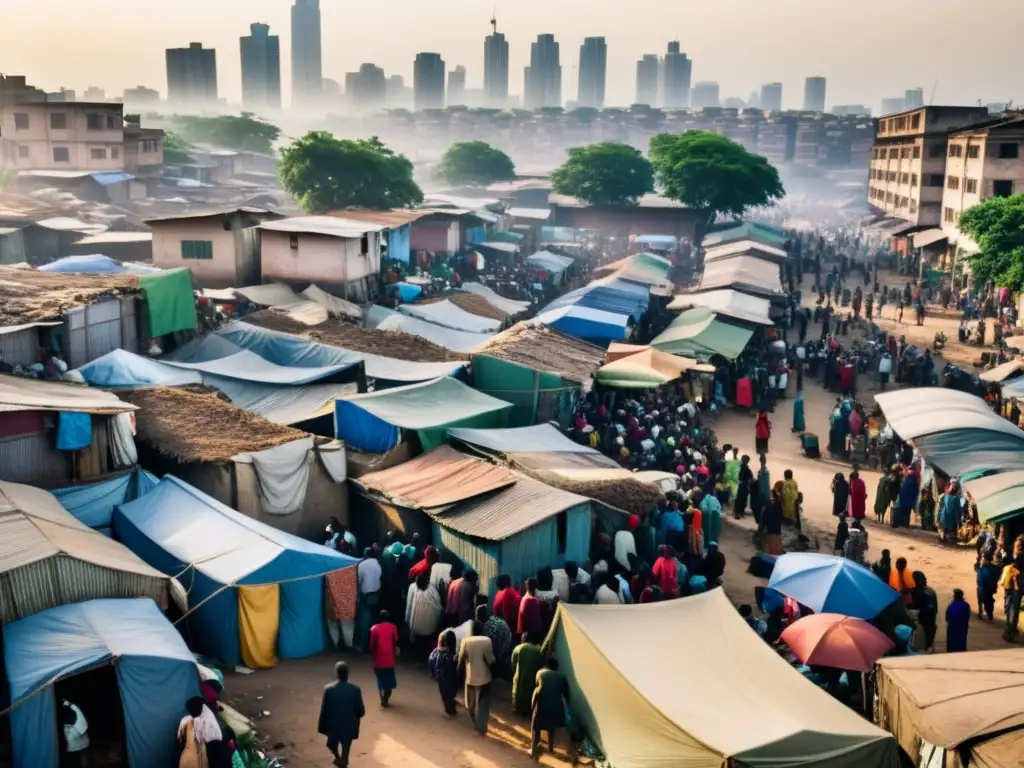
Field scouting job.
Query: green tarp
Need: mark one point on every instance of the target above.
(170, 304)
(746, 231)
(700, 333)
(535, 395)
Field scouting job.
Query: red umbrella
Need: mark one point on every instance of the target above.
(833, 640)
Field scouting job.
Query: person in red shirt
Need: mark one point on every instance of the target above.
(384, 648)
(506, 602)
(430, 556)
(531, 617)
(762, 431)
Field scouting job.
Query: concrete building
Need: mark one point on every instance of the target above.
(704, 94)
(261, 69)
(913, 98)
(851, 110)
(982, 160)
(307, 60)
(771, 97)
(908, 161)
(814, 94)
(332, 88)
(676, 71)
(63, 95)
(65, 136)
(457, 87)
(543, 76)
(496, 67)
(192, 75)
(94, 94)
(593, 72)
(140, 96)
(893, 105)
(647, 80)
(396, 93)
(428, 81)
(14, 89)
(367, 88)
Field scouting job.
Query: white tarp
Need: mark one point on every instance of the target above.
(509, 306)
(540, 438)
(457, 341)
(449, 315)
(248, 366)
(272, 295)
(283, 475)
(20, 394)
(727, 302)
(336, 306)
(282, 404)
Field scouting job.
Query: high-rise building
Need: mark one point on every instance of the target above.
(307, 62)
(332, 87)
(94, 94)
(593, 72)
(261, 69)
(676, 70)
(495, 67)
(893, 105)
(457, 87)
(814, 94)
(771, 97)
(397, 94)
(913, 98)
(428, 81)
(140, 96)
(647, 80)
(543, 77)
(704, 94)
(367, 88)
(192, 75)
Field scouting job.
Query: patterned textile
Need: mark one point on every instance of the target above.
(342, 593)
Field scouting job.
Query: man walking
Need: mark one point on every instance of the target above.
(340, 712)
(477, 655)
(384, 648)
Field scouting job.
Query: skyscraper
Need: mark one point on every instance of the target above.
(543, 78)
(428, 81)
(647, 80)
(495, 67)
(704, 94)
(593, 72)
(261, 69)
(307, 64)
(192, 75)
(676, 71)
(771, 97)
(814, 94)
(367, 88)
(913, 98)
(457, 87)
(895, 104)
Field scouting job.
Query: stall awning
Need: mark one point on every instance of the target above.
(701, 333)
(727, 302)
(647, 368)
(928, 237)
(999, 496)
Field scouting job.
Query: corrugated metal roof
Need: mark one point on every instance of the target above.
(536, 214)
(396, 217)
(502, 514)
(330, 226)
(208, 212)
(117, 237)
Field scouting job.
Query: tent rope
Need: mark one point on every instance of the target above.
(56, 679)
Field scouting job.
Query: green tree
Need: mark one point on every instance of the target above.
(244, 132)
(607, 173)
(476, 163)
(997, 228)
(175, 149)
(325, 173)
(712, 175)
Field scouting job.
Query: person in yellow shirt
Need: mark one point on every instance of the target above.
(790, 492)
(1010, 581)
(902, 579)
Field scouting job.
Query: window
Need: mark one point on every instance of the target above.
(1009, 151)
(893, 154)
(115, 153)
(293, 242)
(148, 146)
(94, 122)
(973, 151)
(364, 245)
(971, 186)
(1002, 187)
(904, 178)
(562, 525)
(956, 150)
(933, 180)
(917, 152)
(913, 206)
(23, 152)
(952, 182)
(913, 179)
(904, 153)
(888, 197)
(21, 121)
(196, 249)
(58, 121)
(61, 155)
(112, 122)
(936, 150)
(98, 154)
(949, 216)
(915, 121)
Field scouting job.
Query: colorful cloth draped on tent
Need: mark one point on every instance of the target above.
(170, 302)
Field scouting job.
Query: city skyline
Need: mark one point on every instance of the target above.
(785, 41)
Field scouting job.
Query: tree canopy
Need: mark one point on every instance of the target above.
(325, 173)
(607, 173)
(712, 174)
(244, 132)
(476, 163)
(175, 149)
(996, 225)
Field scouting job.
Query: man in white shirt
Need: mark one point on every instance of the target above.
(566, 578)
(76, 732)
(368, 574)
(884, 369)
(608, 593)
(625, 545)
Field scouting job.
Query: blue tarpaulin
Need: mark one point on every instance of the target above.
(586, 323)
(398, 244)
(74, 431)
(156, 675)
(178, 529)
(620, 297)
(407, 291)
(106, 178)
(120, 369)
(95, 264)
(93, 504)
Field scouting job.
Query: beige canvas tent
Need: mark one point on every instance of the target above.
(739, 703)
(956, 709)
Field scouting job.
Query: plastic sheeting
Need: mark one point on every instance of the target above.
(540, 438)
(647, 368)
(93, 264)
(728, 303)
(759, 233)
(156, 675)
(121, 369)
(997, 496)
(586, 323)
(701, 333)
(170, 303)
(508, 306)
(283, 475)
(20, 394)
(259, 615)
(746, 274)
(746, 247)
(457, 341)
(93, 504)
(74, 431)
(608, 295)
(912, 413)
(449, 315)
(553, 262)
(248, 366)
(282, 404)
(176, 526)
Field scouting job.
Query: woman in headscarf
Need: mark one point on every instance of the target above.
(882, 499)
(423, 611)
(444, 669)
(906, 502)
(840, 495)
(731, 473)
(772, 522)
(665, 572)
(958, 620)
(196, 731)
(858, 496)
(950, 507)
(790, 497)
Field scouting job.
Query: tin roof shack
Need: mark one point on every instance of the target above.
(55, 433)
(340, 255)
(120, 246)
(280, 476)
(221, 247)
(396, 238)
(652, 215)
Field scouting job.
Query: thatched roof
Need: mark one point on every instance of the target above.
(187, 426)
(542, 348)
(27, 296)
(469, 302)
(374, 341)
(627, 494)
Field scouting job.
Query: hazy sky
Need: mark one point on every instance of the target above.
(867, 49)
